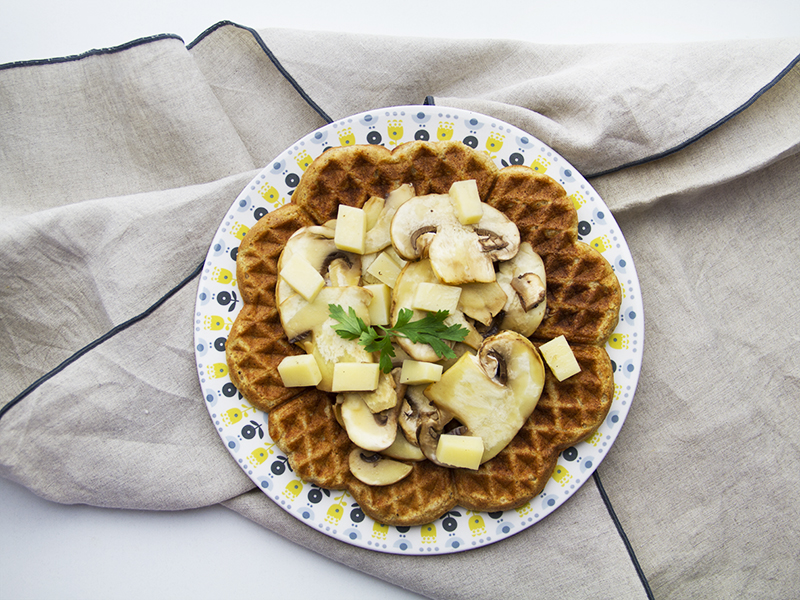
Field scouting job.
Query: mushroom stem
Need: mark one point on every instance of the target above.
(490, 241)
(415, 237)
(530, 289)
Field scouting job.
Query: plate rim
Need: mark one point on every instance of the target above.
(319, 136)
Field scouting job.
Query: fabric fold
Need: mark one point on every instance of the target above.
(512, 567)
(655, 98)
(117, 168)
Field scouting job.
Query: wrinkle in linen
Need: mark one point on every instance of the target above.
(709, 437)
(717, 208)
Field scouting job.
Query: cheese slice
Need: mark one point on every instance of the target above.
(380, 307)
(560, 358)
(351, 229)
(436, 296)
(416, 372)
(462, 451)
(355, 377)
(303, 277)
(298, 371)
(466, 201)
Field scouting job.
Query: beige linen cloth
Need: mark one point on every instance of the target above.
(117, 166)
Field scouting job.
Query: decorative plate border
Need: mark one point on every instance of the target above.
(243, 428)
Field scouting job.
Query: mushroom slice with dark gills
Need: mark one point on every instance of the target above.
(315, 244)
(416, 407)
(492, 394)
(427, 226)
(371, 418)
(421, 422)
(524, 282)
(366, 429)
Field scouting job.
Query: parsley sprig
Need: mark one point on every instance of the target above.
(428, 330)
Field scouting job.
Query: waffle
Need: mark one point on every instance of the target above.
(583, 300)
(256, 343)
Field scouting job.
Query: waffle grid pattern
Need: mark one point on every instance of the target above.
(583, 303)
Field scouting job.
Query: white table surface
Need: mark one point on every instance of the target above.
(53, 551)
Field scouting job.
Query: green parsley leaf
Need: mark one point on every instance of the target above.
(428, 330)
(350, 326)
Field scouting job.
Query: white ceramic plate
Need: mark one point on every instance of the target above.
(243, 429)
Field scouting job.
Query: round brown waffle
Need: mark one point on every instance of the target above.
(583, 299)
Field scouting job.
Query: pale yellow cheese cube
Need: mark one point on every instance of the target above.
(351, 229)
(303, 277)
(436, 296)
(380, 307)
(355, 377)
(298, 371)
(462, 451)
(466, 201)
(384, 269)
(392, 253)
(560, 358)
(415, 372)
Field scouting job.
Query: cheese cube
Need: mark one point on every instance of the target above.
(380, 307)
(351, 229)
(466, 201)
(299, 371)
(415, 372)
(463, 451)
(392, 253)
(436, 296)
(384, 269)
(355, 377)
(303, 277)
(559, 357)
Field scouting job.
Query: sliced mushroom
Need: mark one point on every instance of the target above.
(431, 426)
(372, 209)
(388, 394)
(421, 423)
(378, 235)
(342, 269)
(416, 404)
(530, 288)
(327, 230)
(492, 328)
(428, 226)
(520, 278)
(367, 430)
(309, 325)
(402, 449)
(422, 238)
(316, 245)
(482, 301)
(405, 288)
(492, 394)
(374, 469)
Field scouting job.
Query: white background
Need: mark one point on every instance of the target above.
(31, 29)
(53, 551)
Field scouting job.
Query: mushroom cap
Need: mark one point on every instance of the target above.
(494, 392)
(373, 469)
(428, 226)
(368, 430)
(525, 263)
